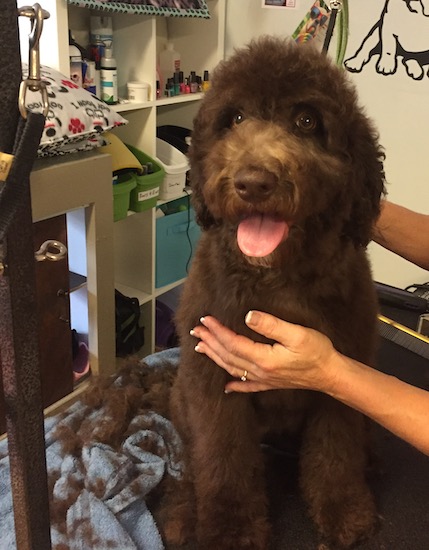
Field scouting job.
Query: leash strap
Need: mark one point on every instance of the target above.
(19, 341)
(17, 168)
(335, 7)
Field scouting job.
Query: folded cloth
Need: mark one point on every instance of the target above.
(98, 489)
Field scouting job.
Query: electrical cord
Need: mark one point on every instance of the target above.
(188, 227)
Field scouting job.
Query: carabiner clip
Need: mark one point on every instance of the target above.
(335, 5)
(33, 80)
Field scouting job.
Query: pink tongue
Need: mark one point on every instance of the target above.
(259, 235)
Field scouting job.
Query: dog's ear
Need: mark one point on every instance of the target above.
(367, 181)
(202, 135)
(202, 214)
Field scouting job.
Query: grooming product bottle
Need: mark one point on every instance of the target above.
(101, 31)
(75, 62)
(109, 77)
(101, 35)
(169, 62)
(89, 78)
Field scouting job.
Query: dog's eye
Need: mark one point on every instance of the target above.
(306, 122)
(238, 118)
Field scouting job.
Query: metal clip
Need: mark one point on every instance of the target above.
(33, 81)
(44, 252)
(335, 5)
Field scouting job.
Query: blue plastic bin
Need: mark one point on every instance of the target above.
(174, 250)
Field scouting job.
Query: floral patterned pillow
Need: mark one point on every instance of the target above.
(76, 118)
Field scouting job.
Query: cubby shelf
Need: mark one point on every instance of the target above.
(138, 40)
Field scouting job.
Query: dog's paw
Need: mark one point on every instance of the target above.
(344, 523)
(176, 532)
(253, 536)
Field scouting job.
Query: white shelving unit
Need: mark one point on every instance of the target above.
(138, 40)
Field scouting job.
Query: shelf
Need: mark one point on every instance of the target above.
(187, 191)
(185, 98)
(130, 106)
(76, 281)
(137, 44)
(134, 106)
(143, 297)
(164, 289)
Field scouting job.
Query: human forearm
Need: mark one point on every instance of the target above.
(302, 358)
(401, 408)
(404, 232)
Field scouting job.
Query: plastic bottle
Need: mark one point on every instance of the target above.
(169, 62)
(75, 56)
(101, 30)
(109, 78)
(101, 36)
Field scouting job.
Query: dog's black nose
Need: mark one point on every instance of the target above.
(254, 185)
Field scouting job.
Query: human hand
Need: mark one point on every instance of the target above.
(299, 358)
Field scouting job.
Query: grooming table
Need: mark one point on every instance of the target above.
(401, 487)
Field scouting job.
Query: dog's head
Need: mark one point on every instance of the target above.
(280, 150)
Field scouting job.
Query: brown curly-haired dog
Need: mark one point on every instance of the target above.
(287, 177)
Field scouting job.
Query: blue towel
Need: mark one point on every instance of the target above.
(106, 487)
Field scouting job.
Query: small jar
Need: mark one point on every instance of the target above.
(138, 92)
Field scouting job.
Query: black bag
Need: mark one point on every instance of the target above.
(129, 334)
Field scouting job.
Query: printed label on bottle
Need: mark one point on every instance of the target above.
(109, 85)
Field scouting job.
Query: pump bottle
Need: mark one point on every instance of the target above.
(108, 77)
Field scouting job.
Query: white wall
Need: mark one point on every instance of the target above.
(398, 104)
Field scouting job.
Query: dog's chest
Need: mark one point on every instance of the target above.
(237, 293)
(282, 411)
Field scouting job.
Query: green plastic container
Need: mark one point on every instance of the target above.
(121, 195)
(146, 193)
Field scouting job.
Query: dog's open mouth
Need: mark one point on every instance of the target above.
(260, 234)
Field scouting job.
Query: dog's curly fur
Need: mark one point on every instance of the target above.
(279, 133)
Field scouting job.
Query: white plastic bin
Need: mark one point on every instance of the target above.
(175, 165)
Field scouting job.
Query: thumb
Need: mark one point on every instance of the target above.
(274, 328)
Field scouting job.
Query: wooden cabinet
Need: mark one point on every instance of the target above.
(53, 316)
(55, 337)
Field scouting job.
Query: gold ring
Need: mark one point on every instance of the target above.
(244, 377)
